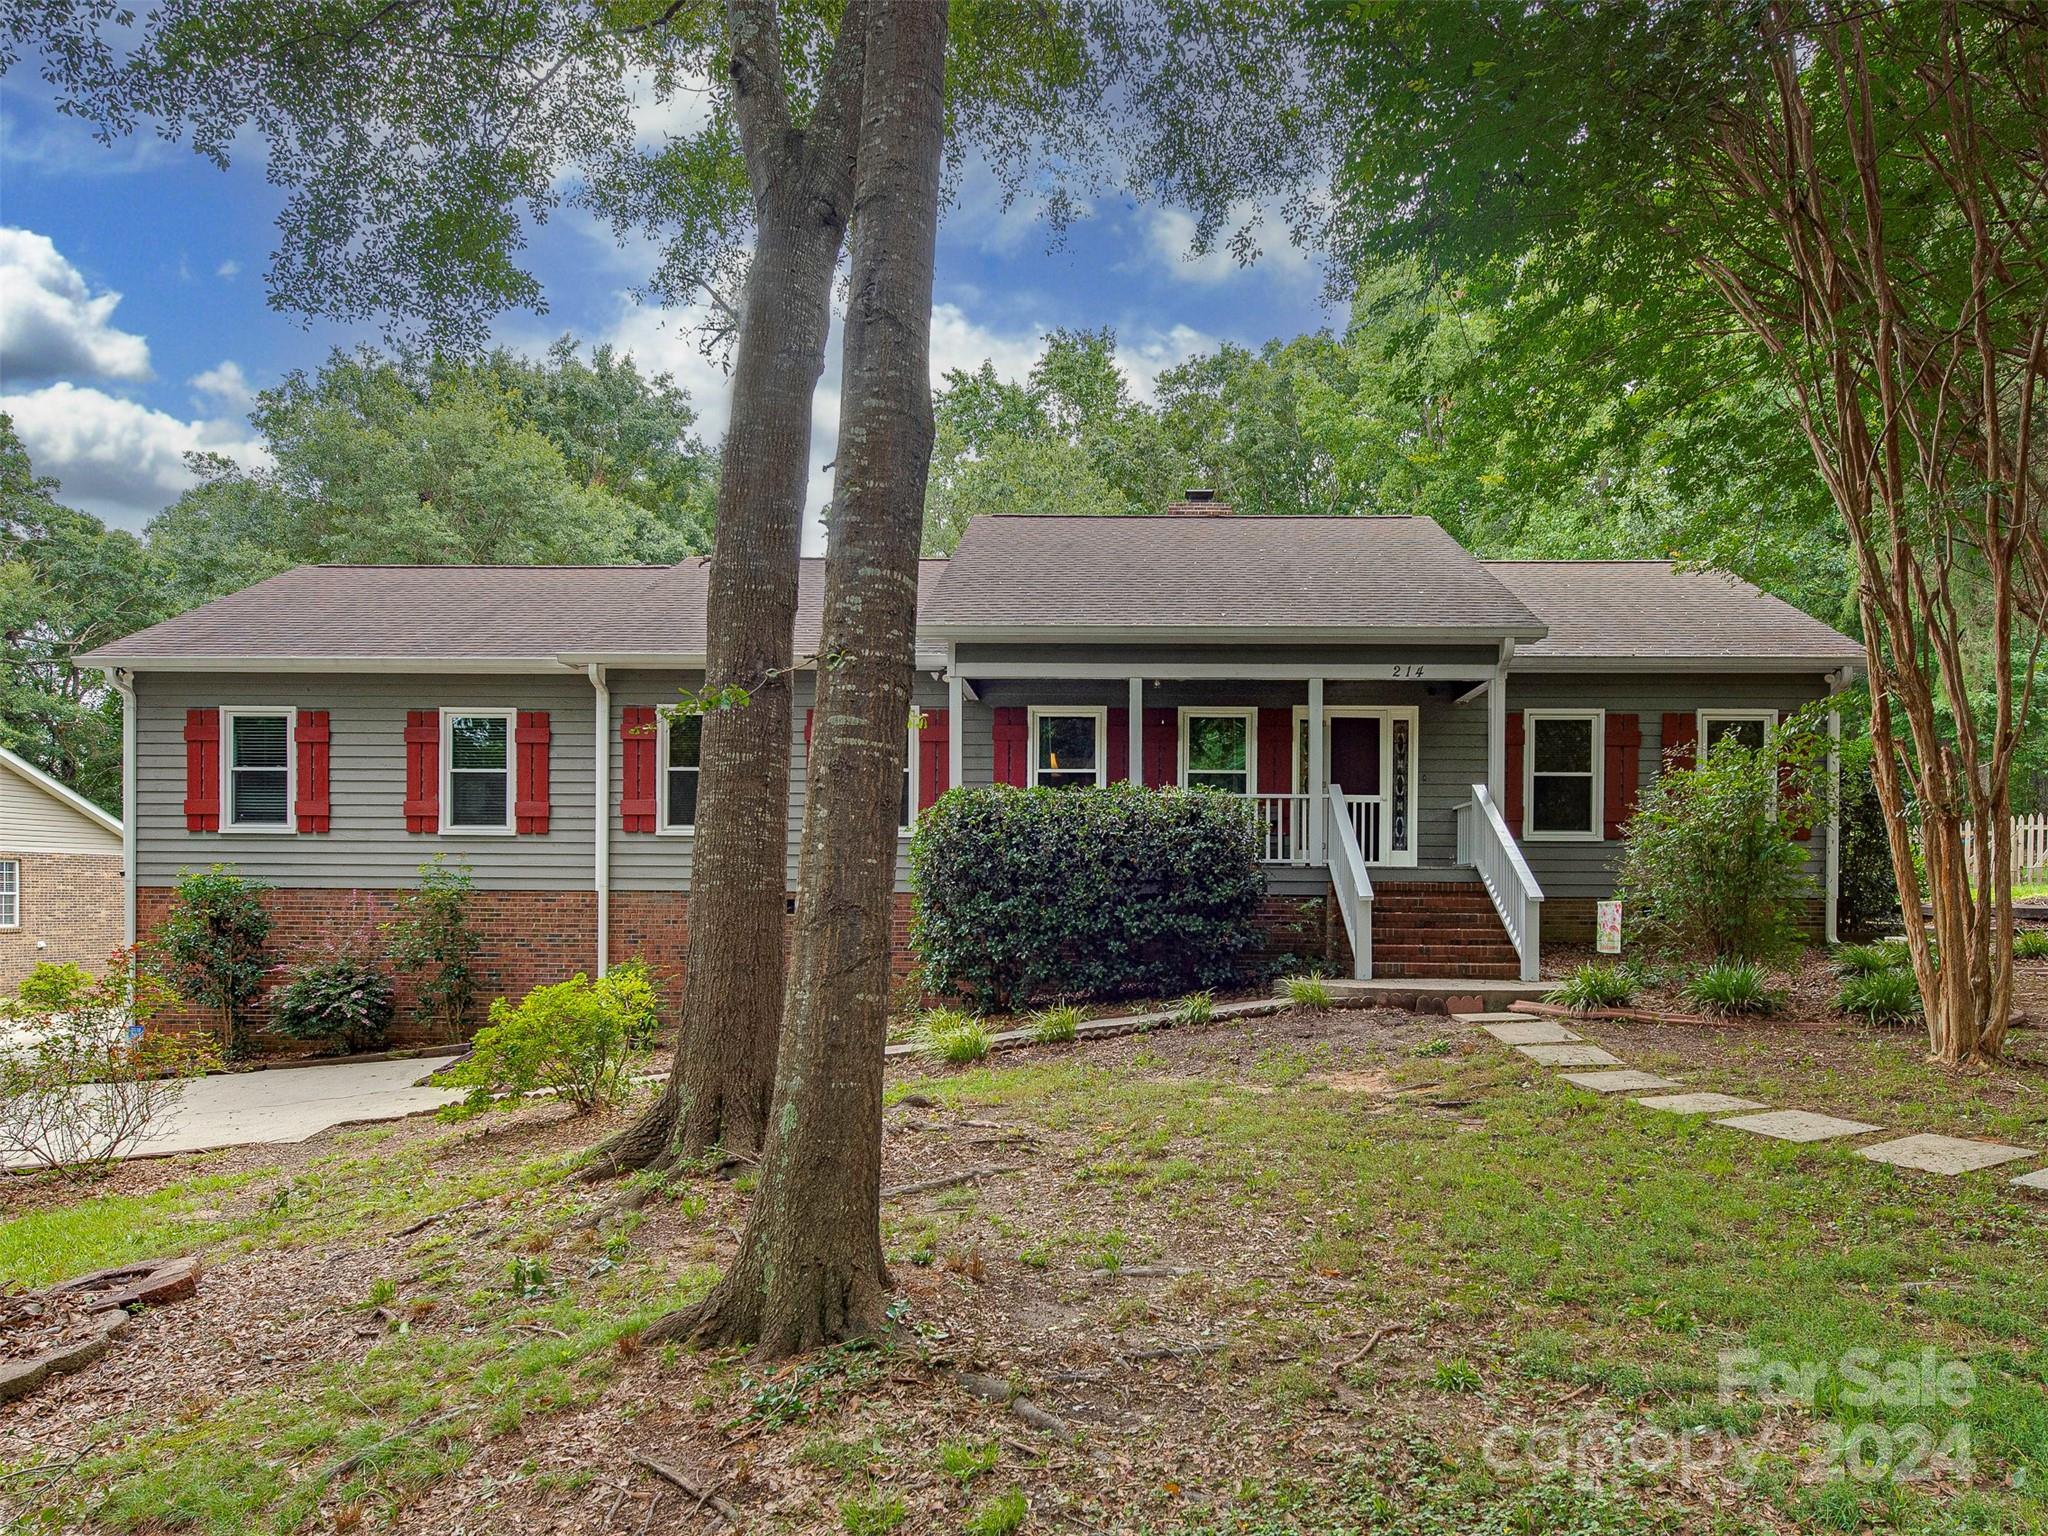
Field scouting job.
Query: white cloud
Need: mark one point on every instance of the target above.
(51, 322)
(226, 384)
(1169, 235)
(227, 271)
(118, 460)
(1144, 355)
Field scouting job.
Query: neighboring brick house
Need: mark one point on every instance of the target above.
(1461, 739)
(60, 875)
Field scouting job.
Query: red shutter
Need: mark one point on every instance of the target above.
(1276, 751)
(312, 806)
(1162, 748)
(932, 758)
(422, 770)
(1624, 756)
(809, 714)
(636, 767)
(1513, 809)
(1009, 735)
(1801, 808)
(530, 805)
(1119, 745)
(1681, 739)
(202, 770)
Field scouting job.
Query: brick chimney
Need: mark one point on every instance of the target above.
(1198, 501)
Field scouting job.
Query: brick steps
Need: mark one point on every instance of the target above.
(1439, 928)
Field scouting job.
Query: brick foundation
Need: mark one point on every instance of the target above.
(70, 914)
(530, 938)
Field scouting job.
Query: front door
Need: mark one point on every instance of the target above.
(1371, 761)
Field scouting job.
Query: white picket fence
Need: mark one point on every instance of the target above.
(2029, 848)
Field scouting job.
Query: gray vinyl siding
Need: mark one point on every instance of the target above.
(367, 845)
(660, 861)
(1568, 870)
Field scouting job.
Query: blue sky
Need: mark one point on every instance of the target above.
(133, 322)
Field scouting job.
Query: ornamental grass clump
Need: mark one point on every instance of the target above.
(1868, 959)
(1881, 997)
(2030, 944)
(1195, 1008)
(1591, 986)
(1310, 992)
(1056, 1026)
(952, 1037)
(1729, 987)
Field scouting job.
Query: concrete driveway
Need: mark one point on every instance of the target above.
(289, 1104)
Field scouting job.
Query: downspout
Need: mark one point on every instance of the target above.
(125, 686)
(601, 743)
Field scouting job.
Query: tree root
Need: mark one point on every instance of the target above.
(947, 1181)
(1001, 1393)
(697, 1491)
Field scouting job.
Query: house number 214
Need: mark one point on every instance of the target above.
(1407, 669)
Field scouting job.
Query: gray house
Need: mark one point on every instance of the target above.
(1441, 749)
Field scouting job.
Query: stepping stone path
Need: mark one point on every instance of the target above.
(1553, 1045)
(1627, 1080)
(1581, 1055)
(1942, 1154)
(1698, 1103)
(1531, 1032)
(1798, 1125)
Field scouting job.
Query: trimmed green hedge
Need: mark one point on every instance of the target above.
(1035, 894)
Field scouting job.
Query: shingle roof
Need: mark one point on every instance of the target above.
(1210, 575)
(470, 613)
(1603, 610)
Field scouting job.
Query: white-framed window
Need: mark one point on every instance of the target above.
(258, 769)
(476, 770)
(1067, 746)
(10, 893)
(1218, 750)
(679, 749)
(1751, 727)
(1562, 764)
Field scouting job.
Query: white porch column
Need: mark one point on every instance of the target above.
(1318, 768)
(1497, 729)
(956, 727)
(1135, 728)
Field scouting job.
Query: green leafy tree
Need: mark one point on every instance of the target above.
(431, 931)
(213, 946)
(1711, 867)
(67, 584)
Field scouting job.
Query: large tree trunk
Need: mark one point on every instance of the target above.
(809, 1270)
(720, 1082)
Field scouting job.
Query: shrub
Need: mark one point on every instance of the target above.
(1593, 986)
(1309, 992)
(431, 932)
(1730, 987)
(81, 1077)
(573, 1038)
(1093, 892)
(344, 1000)
(2030, 944)
(1864, 959)
(1056, 1026)
(1710, 866)
(1867, 896)
(1195, 1008)
(210, 946)
(1882, 997)
(952, 1037)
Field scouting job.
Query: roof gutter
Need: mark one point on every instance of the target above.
(1220, 634)
(124, 684)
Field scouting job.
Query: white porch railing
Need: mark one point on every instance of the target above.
(1353, 885)
(1284, 826)
(1485, 844)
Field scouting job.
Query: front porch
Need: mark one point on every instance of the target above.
(1378, 781)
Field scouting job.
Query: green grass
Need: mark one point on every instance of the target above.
(1650, 1244)
(99, 1231)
